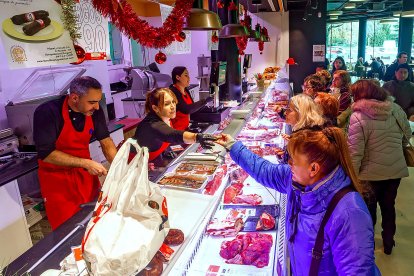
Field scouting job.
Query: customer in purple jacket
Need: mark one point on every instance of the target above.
(319, 167)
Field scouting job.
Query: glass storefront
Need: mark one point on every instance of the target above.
(382, 40)
(342, 40)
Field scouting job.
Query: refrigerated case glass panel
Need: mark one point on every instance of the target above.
(46, 82)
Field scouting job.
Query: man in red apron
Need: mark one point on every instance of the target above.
(62, 132)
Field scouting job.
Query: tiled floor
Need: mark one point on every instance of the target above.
(401, 261)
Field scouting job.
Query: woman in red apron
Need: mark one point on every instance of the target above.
(65, 188)
(155, 131)
(185, 103)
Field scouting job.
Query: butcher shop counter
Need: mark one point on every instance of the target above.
(184, 207)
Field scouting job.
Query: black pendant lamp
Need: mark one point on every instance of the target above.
(234, 28)
(201, 19)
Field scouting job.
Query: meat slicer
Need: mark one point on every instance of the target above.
(144, 80)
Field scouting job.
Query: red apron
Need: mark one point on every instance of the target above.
(65, 188)
(181, 120)
(152, 154)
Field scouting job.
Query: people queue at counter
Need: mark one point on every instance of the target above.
(363, 158)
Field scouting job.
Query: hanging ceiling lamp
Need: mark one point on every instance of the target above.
(201, 19)
(234, 29)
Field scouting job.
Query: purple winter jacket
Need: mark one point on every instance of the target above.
(349, 236)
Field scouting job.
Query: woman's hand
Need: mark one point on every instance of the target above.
(226, 141)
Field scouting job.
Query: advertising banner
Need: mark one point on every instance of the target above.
(33, 34)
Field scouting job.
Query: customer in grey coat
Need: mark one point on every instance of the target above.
(376, 141)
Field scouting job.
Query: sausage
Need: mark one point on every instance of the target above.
(174, 237)
(154, 268)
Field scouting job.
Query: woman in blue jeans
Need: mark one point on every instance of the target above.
(319, 166)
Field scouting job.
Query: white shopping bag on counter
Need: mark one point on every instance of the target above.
(130, 220)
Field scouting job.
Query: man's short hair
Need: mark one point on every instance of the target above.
(404, 66)
(401, 53)
(81, 85)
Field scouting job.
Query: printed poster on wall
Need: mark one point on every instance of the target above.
(318, 53)
(93, 27)
(175, 47)
(41, 42)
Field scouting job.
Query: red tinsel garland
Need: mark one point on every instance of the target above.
(125, 19)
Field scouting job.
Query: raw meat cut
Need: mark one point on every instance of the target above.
(252, 199)
(266, 222)
(248, 249)
(232, 191)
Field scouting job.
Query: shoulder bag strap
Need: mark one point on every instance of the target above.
(403, 133)
(317, 250)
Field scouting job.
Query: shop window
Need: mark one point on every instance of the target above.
(342, 40)
(382, 40)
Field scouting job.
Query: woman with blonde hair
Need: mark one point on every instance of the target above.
(378, 130)
(155, 131)
(319, 171)
(303, 112)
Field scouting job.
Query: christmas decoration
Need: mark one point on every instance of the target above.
(242, 41)
(291, 61)
(69, 18)
(125, 19)
(180, 37)
(232, 6)
(261, 47)
(220, 4)
(160, 58)
(80, 53)
(214, 37)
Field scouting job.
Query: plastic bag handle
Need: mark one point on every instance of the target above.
(119, 170)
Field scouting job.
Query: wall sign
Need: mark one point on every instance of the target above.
(94, 30)
(33, 34)
(318, 53)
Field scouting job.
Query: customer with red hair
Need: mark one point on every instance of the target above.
(320, 166)
(329, 106)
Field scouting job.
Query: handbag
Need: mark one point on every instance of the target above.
(130, 220)
(407, 150)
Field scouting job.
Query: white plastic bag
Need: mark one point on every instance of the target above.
(130, 221)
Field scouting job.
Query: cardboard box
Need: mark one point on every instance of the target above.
(34, 209)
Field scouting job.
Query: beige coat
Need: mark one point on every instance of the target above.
(375, 140)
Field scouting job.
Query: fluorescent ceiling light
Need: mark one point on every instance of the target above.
(396, 14)
(407, 13)
(335, 13)
(357, 0)
(350, 6)
(388, 20)
(334, 17)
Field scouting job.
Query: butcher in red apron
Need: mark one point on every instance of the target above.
(155, 131)
(185, 103)
(62, 132)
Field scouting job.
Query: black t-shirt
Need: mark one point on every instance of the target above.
(152, 132)
(48, 123)
(182, 106)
